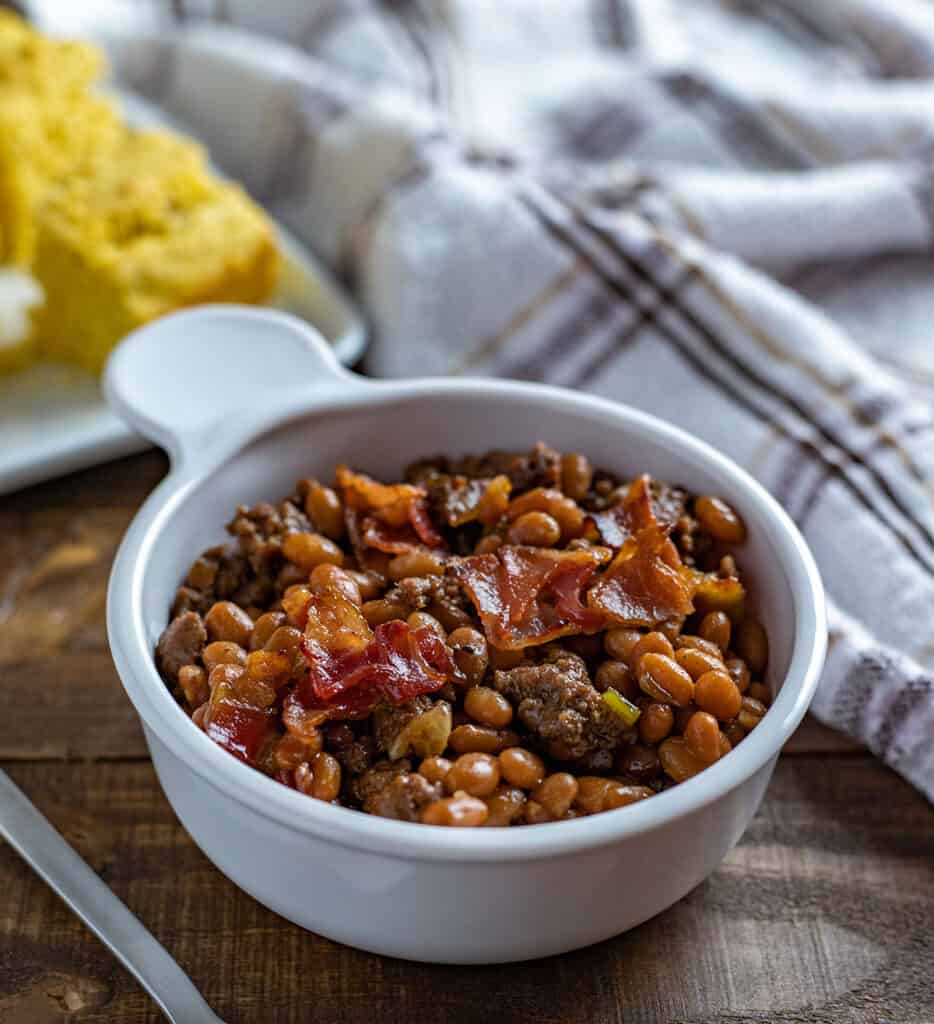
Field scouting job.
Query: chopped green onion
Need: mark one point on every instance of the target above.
(626, 710)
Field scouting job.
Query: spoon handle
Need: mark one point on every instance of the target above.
(34, 839)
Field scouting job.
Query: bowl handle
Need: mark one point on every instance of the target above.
(205, 379)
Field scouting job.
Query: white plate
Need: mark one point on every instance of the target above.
(53, 419)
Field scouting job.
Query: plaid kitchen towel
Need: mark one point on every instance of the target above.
(720, 211)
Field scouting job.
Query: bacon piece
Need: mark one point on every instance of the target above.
(645, 584)
(239, 728)
(527, 595)
(389, 517)
(615, 525)
(462, 500)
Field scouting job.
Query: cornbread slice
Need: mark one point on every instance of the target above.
(38, 63)
(19, 294)
(136, 232)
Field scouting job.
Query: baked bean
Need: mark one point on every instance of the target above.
(576, 475)
(696, 663)
(476, 774)
(682, 717)
(193, 681)
(228, 621)
(522, 768)
(459, 811)
(471, 654)
(751, 713)
(534, 814)
(422, 620)
(678, 762)
(716, 693)
(488, 544)
(270, 667)
(656, 722)
(264, 627)
(564, 510)
(715, 627)
(200, 716)
(295, 603)
(719, 520)
(734, 733)
(380, 610)
(760, 692)
(435, 768)
(449, 615)
(328, 576)
(323, 507)
(222, 675)
(698, 643)
(290, 575)
(319, 778)
(725, 745)
(662, 678)
(290, 751)
(370, 584)
(651, 643)
(488, 707)
(202, 573)
(556, 793)
(537, 529)
(739, 673)
(223, 652)
(670, 629)
(504, 806)
(307, 550)
(415, 563)
(480, 739)
(752, 645)
(619, 794)
(618, 643)
(639, 761)
(616, 674)
(302, 722)
(591, 790)
(702, 736)
(288, 639)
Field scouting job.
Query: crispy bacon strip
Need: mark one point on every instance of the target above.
(352, 668)
(645, 584)
(462, 499)
(239, 728)
(527, 595)
(389, 517)
(616, 524)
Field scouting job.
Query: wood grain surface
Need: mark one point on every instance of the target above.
(823, 913)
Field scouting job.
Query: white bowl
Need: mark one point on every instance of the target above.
(246, 401)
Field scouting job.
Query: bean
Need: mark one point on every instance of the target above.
(193, 681)
(415, 563)
(752, 645)
(379, 611)
(291, 751)
(702, 736)
(320, 778)
(621, 795)
(488, 544)
(223, 652)
(289, 575)
(698, 643)
(471, 654)
(616, 674)
(264, 627)
(651, 643)
(715, 627)
(619, 643)
(678, 762)
(435, 768)
(422, 620)
(522, 768)
(488, 707)
(662, 678)
(307, 550)
(655, 722)
(295, 603)
(534, 814)
(556, 793)
(504, 806)
(760, 692)
(751, 713)
(739, 673)
(716, 693)
(476, 774)
(734, 733)
(564, 510)
(371, 584)
(719, 520)
(639, 761)
(458, 811)
(576, 475)
(323, 507)
(696, 662)
(591, 792)
(328, 576)
(537, 529)
(480, 739)
(228, 621)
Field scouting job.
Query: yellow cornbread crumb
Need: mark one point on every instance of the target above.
(138, 231)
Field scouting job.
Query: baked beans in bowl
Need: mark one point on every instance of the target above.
(575, 618)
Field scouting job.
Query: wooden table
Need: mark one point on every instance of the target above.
(824, 912)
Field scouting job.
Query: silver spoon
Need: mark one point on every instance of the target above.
(34, 839)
